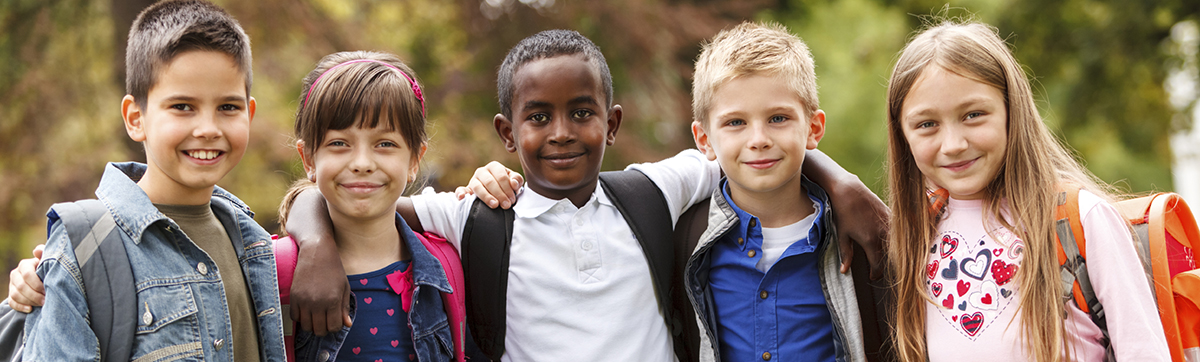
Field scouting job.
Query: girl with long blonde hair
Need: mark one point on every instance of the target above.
(979, 278)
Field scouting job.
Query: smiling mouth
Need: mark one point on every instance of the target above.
(204, 155)
(762, 164)
(361, 187)
(959, 166)
(562, 159)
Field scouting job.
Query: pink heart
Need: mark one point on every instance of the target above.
(395, 343)
(357, 349)
(391, 311)
(374, 330)
(362, 281)
(379, 360)
(367, 299)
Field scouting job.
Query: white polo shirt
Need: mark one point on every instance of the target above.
(579, 286)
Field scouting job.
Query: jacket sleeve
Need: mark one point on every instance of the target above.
(59, 330)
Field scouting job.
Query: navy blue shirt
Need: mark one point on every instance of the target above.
(781, 312)
(381, 328)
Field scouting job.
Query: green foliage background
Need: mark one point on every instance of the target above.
(1098, 66)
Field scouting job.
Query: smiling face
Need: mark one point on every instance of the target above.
(195, 126)
(560, 125)
(956, 130)
(758, 130)
(362, 171)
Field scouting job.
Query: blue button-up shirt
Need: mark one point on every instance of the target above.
(781, 312)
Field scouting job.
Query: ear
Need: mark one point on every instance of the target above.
(614, 123)
(416, 162)
(701, 137)
(305, 158)
(251, 106)
(816, 129)
(504, 128)
(132, 114)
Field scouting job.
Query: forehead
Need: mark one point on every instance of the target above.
(201, 72)
(556, 78)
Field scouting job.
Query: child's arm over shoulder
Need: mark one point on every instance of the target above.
(849, 196)
(685, 179)
(1120, 283)
(320, 293)
(59, 330)
(442, 213)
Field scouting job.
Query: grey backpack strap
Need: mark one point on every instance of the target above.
(12, 333)
(112, 295)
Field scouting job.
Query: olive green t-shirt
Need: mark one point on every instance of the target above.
(202, 226)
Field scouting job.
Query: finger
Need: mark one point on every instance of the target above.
(38, 250)
(18, 306)
(517, 180)
(876, 257)
(846, 250)
(304, 318)
(478, 187)
(462, 192)
(346, 321)
(333, 319)
(318, 323)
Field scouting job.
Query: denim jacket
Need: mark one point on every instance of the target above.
(837, 287)
(426, 316)
(181, 310)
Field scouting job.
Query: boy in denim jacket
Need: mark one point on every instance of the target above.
(764, 278)
(204, 270)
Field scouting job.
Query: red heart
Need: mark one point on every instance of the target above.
(949, 302)
(998, 251)
(367, 299)
(987, 298)
(391, 311)
(357, 349)
(412, 357)
(374, 330)
(971, 323)
(931, 269)
(395, 343)
(937, 289)
(949, 244)
(362, 281)
(954, 318)
(963, 287)
(379, 360)
(1003, 272)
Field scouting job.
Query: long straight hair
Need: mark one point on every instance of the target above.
(1034, 163)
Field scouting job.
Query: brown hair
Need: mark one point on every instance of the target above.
(749, 49)
(360, 94)
(1034, 163)
(166, 29)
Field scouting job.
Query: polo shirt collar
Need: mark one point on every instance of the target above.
(531, 204)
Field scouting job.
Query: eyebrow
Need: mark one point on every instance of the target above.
(968, 103)
(584, 100)
(187, 98)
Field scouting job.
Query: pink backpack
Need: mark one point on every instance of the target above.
(454, 303)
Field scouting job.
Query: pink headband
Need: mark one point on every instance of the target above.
(415, 87)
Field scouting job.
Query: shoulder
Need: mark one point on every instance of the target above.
(223, 195)
(1093, 209)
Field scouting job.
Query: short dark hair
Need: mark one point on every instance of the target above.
(164, 30)
(547, 44)
(359, 94)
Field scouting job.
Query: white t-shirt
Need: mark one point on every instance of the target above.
(971, 275)
(579, 286)
(775, 241)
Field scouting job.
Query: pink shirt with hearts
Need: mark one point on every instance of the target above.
(971, 276)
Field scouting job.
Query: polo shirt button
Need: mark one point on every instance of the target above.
(587, 245)
(579, 222)
(753, 222)
(741, 241)
(766, 356)
(763, 295)
(751, 254)
(203, 269)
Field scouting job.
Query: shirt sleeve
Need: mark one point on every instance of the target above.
(59, 330)
(1120, 284)
(444, 214)
(684, 179)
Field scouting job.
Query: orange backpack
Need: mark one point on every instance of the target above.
(1164, 234)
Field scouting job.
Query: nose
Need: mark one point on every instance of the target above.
(759, 138)
(361, 160)
(954, 139)
(562, 130)
(207, 127)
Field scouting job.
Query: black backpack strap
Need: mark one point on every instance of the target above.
(688, 229)
(485, 267)
(112, 297)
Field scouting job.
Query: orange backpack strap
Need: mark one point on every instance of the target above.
(1187, 301)
(1168, 213)
(1072, 254)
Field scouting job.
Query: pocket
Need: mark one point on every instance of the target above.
(167, 326)
(163, 305)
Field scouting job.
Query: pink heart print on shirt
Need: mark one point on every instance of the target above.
(968, 287)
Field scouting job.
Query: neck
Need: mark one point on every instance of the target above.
(366, 245)
(167, 192)
(778, 208)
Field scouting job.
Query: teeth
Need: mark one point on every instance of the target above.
(204, 155)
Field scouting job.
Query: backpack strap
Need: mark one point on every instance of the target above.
(454, 302)
(112, 297)
(1072, 256)
(644, 207)
(485, 267)
(286, 254)
(688, 229)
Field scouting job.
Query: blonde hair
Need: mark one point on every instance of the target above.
(1034, 163)
(749, 49)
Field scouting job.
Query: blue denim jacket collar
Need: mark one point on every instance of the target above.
(427, 270)
(119, 191)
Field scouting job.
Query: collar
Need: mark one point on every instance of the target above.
(750, 224)
(119, 191)
(531, 204)
(427, 269)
